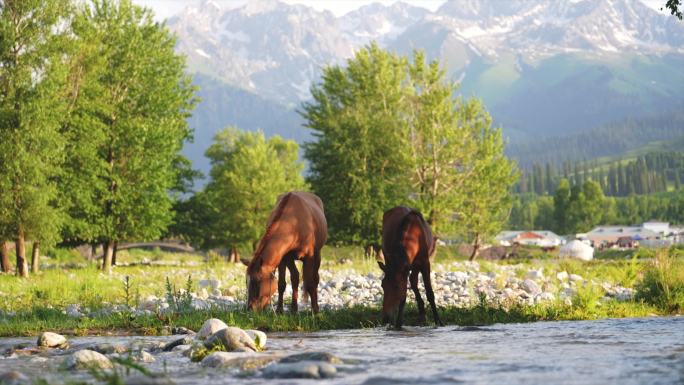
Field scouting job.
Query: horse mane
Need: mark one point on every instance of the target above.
(269, 229)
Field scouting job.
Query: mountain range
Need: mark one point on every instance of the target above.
(547, 68)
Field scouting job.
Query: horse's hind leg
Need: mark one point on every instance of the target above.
(281, 285)
(430, 294)
(294, 279)
(413, 278)
(311, 278)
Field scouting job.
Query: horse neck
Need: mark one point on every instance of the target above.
(268, 256)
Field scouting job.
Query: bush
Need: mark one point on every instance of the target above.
(663, 282)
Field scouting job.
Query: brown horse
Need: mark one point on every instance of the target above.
(407, 245)
(296, 229)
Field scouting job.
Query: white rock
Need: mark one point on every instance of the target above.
(231, 338)
(181, 348)
(210, 327)
(531, 287)
(546, 296)
(535, 274)
(211, 284)
(258, 336)
(142, 356)
(562, 276)
(52, 340)
(74, 311)
(575, 277)
(85, 359)
(303, 369)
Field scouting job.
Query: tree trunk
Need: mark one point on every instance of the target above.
(93, 252)
(4, 257)
(233, 255)
(476, 247)
(22, 266)
(108, 250)
(35, 257)
(116, 248)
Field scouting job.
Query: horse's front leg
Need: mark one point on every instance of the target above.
(427, 281)
(413, 279)
(282, 284)
(294, 280)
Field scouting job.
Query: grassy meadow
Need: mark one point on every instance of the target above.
(29, 306)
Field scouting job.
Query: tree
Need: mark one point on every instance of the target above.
(357, 162)
(438, 126)
(248, 173)
(129, 124)
(561, 203)
(486, 202)
(32, 78)
(674, 6)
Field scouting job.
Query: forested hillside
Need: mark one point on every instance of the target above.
(609, 140)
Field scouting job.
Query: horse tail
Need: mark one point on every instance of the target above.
(269, 228)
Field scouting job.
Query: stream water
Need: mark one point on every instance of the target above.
(613, 351)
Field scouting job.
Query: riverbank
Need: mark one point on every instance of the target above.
(151, 297)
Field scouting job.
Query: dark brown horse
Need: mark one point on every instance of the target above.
(407, 245)
(296, 229)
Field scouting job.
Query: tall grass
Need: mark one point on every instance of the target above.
(663, 282)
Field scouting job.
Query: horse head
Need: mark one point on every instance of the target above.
(260, 287)
(393, 286)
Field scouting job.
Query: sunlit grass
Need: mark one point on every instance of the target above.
(38, 302)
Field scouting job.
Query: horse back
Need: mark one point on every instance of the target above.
(405, 234)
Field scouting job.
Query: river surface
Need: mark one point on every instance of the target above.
(612, 351)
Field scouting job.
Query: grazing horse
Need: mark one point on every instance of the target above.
(407, 245)
(296, 229)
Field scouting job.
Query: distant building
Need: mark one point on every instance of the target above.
(542, 238)
(609, 236)
(657, 227)
(649, 234)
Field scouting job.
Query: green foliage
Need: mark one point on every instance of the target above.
(361, 149)
(486, 199)
(526, 213)
(663, 283)
(127, 124)
(33, 36)
(179, 301)
(391, 131)
(674, 6)
(248, 174)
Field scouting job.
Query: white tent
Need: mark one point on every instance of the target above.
(578, 250)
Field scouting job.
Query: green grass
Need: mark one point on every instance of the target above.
(37, 303)
(663, 282)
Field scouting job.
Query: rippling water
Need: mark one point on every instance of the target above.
(614, 351)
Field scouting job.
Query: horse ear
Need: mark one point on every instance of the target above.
(382, 265)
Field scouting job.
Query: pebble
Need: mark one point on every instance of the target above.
(86, 359)
(231, 339)
(52, 340)
(210, 327)
(302, 369)
(258, 337)
(531, 287)
(14, 378)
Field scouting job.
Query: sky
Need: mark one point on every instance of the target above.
(166, 8)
